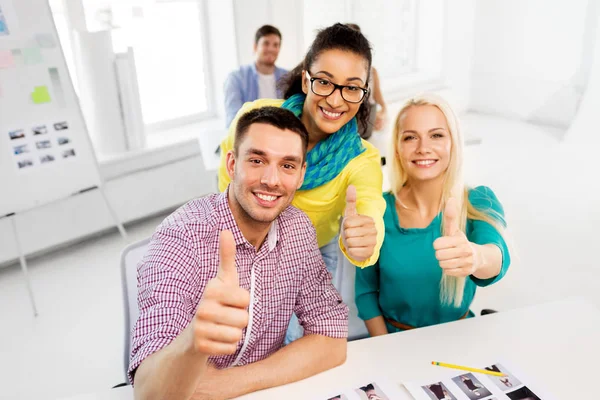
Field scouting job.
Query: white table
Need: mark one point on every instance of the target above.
(556, 344)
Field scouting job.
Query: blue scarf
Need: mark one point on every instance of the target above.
(328, 158)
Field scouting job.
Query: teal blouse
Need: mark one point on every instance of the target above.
(404, 284)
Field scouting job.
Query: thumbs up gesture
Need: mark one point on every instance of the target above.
(359, 234)
(456, 255)
(222, 312)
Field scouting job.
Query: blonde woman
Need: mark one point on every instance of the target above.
(442, 239)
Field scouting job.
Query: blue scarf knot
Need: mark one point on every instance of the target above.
(328, 158)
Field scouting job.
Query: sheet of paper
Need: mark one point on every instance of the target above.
(40, 95)
(3, 24)
(6, 59)
(45, 40)
(32, 56)
(476, 386)
(369, 389)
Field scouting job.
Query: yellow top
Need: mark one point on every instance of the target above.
(325, 204)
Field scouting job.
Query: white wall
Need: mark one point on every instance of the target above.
(583, 132)
(527, 57)
(222, 48)
(459, 52)
(284, 15)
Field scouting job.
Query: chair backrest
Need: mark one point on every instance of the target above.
(130, 258)
(344, 282)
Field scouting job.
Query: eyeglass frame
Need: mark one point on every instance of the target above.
(336, 87)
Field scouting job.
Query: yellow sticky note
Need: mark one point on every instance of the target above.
(40, 95)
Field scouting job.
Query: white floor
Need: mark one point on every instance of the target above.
(549, 187)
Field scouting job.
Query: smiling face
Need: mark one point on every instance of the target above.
(267, 49)
(424, 143)
(265, 173)
(325, 115)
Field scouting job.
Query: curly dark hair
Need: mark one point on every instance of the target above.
(335, 37)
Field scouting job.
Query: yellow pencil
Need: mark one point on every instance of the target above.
(481, 371)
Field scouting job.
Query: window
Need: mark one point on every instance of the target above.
(169, 41)
(394, 48)
(63, 28)
(407, 36)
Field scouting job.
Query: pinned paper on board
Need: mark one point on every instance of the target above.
(57, 87)
(45, 40)
(3, 25)
(40, 95)
(18, 57)
(32, 56)
(7, 60)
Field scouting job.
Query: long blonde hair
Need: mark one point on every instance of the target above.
(451, 288)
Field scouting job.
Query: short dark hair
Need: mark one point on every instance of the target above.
(278, 117)
(335, 37)
(264, 31)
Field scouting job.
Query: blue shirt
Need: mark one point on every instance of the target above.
(404, 284)
(241, 86)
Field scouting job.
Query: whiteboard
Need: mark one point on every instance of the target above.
(45, 150)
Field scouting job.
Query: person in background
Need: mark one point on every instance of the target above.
(328, 92)
(442, 239)
(378, 115)
(259, 79)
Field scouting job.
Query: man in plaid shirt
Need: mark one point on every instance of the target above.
(224, 273)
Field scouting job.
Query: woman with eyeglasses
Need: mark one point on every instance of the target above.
(328, 91)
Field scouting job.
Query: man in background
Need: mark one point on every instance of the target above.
(257, 80)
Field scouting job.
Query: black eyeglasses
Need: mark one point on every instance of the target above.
(323, 87)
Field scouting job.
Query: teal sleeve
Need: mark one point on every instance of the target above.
(366, 287)
(484, 199)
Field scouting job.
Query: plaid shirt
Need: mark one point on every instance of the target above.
(286, 275)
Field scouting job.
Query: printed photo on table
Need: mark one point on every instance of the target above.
(63, 140)
(438, 391)
(18, 134)
(24, 148)
(504, 383)
(61, 126)
(46, 158)
(371, 391)
(40, 130)
(524, 394)
(68, 153)
(44, 144)
(25, 163)
(471, 386)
